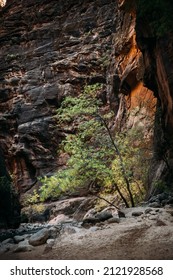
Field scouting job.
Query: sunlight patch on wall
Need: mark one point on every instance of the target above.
(2, 3)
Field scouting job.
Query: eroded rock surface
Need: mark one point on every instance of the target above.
(46, 56)
(56, 50)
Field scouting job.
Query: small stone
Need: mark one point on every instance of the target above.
(160, 223)
(103, 216)
(114, 220)
(154, 204)
(50, 242)
(24, 242)
(148, 210)
(95, 228)
(121, 214)
(152, 217)
(18, 238)
(137, 213)
(90, 220)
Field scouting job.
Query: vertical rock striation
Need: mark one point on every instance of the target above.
(134, 104)
(155, 40)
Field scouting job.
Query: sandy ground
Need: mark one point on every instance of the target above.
(146, 237)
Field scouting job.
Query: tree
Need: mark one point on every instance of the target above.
(96, 156)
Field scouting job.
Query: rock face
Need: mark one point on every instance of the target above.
(53, 53)
(50, 54)
(51, 49)
(9, 203)
(157, 75)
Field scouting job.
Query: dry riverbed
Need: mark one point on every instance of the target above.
(145, 234)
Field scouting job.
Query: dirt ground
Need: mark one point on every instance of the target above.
(135, 238)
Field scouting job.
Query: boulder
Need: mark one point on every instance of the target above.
(61, 218)
(93, 217)
(39, 237)
(23, 246)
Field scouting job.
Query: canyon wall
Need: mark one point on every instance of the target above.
(155, 40)
(52, 49)
(48, 50)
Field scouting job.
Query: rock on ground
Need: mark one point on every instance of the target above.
(39, 237)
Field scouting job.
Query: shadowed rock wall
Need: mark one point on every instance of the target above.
(157, 50)
(48, 50)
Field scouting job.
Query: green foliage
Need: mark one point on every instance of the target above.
(94, 159)
(158, 13)
(92, 89)
(30, 199)
(12, 56)
(31, 211)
